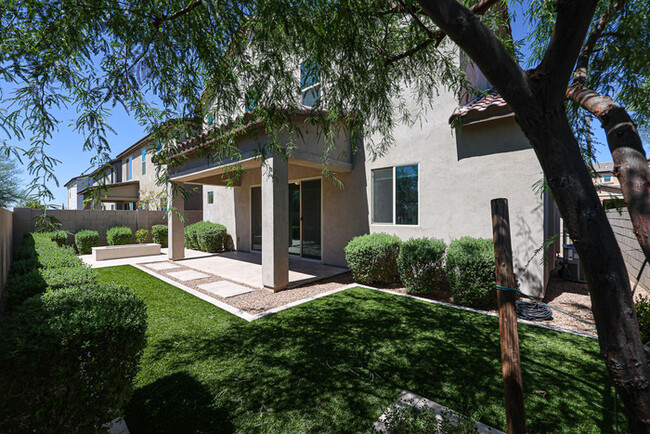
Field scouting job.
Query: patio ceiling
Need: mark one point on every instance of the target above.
(128, 191)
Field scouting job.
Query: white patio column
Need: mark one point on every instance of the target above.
(275, 223)
(175, 236)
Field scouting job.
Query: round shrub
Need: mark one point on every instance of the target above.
(119, 235)
(85, 240)
(205, 236)
(642, 307)
(159, 234)
(68, 359)
(420, 264)
(470, 271)
(60, 238)
(373, 258)
(141, 235)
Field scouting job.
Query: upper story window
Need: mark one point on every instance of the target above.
(144, 161)
(130, 168)
(395, 195)
(210, 197)
(250, 101)
(309, 83)
(607, 178)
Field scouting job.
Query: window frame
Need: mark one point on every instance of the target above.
(607, 178)
(143, 169)
(311, 87)
(394, 202)
(210, 197)
(129, 168)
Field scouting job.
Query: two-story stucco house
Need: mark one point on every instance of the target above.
(74, 186)
(435, 181)
(130, 183)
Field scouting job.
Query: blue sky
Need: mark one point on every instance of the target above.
(67, 145)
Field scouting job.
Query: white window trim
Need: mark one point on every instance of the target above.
(372, 197)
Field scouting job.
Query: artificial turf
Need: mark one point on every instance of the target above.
(334, 365)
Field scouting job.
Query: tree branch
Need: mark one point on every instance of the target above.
(573, 19)
(187, 9)
(479, 8)
(484, 48)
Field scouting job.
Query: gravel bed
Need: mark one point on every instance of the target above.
(571, 297)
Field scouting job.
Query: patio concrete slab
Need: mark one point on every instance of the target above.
(225, 289)
(186, 275)
(246, 268)
(162, 266)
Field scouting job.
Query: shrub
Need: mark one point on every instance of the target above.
(420, 264)
(39, 251)
(159, 234)
(85, 240)
(470, 270)
(642, 307)
(68, 358)
(205, 236)
(119, 235)
(22, 286)
(141, 235)
(59, 237)
(373, 258)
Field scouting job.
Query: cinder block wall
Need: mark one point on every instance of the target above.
(6, 242)
(632, 253)
(97, 220)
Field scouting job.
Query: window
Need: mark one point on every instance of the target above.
(607, 178)
(130, 169)
(309, 83)
(250, 100)
(144, 161)
(395, 195)
(210, 197)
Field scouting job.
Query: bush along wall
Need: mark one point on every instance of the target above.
(205, 236)
(373, 258)
(119, 235)
(141, 235)
(159, 234)
(420, 264)
(470, 271)
(85, 240)
(69, 346)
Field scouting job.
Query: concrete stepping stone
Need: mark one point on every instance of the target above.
(225, 289)
(163, 266)
(186, 275)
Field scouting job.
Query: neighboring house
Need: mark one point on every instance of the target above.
(435, 181)
(130, 183)
(607, 185)
(74, 186)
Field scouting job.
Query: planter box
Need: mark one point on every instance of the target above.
(125, 251)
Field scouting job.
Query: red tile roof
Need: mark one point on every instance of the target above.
(482, 108)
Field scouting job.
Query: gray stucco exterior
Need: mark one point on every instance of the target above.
(459, 172)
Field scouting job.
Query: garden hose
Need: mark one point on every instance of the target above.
(533, 311)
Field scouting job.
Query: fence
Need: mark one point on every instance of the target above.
(6, 242)
(97, 220)
(632, 253)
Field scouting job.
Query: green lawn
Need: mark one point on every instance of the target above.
(334, 364)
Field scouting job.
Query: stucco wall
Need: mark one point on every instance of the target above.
(632, 253)
(459, 173)
(98, 220)
(6, 245)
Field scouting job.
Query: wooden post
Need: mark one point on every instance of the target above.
(510, 360)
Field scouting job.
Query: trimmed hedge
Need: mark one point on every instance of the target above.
(141, 235)
(205, 236)
(420, 264)
(22, 286)
(68, 359)
(85, 240)
(119, 235)
(39, 251)
(470, 270)
(159, 234)
(373, 258)
(59, 237)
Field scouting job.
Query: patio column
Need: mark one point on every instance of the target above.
(175, 236)
(275, 223)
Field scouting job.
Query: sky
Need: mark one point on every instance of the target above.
(67, 145)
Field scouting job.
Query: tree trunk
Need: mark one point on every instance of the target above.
(630, 163)
(609, 286)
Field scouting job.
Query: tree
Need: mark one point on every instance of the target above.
(11, 190)
(100, 53)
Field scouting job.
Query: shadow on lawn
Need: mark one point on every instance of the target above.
(336, 363)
